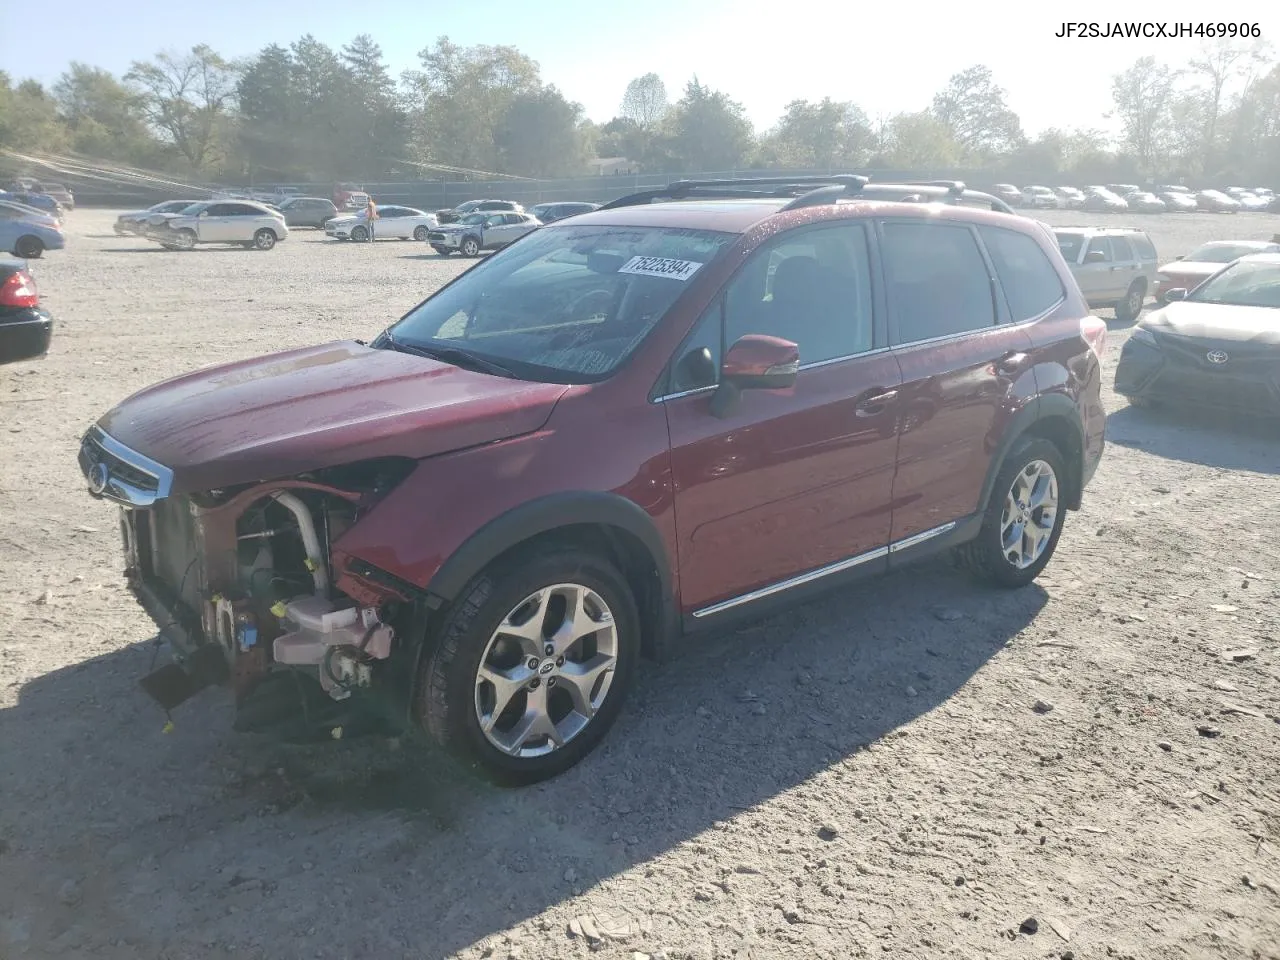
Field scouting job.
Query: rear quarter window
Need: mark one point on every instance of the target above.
(1031, 284)
(1143, 245)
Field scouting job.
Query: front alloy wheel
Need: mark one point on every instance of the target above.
(547, 670)
(471, 247)
(531, 665)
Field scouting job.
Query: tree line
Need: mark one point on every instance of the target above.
(310, 112)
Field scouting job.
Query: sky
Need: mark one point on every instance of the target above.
(884, 60)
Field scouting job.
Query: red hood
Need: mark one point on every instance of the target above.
(288, 413)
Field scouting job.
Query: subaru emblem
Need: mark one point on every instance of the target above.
(99, 476)
(1216, 356)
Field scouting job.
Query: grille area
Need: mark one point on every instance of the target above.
(92, 452)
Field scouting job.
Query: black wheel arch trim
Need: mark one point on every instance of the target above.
(1044, 407)
(545, 515)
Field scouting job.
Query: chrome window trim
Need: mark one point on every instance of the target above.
(838, 567)
(125, 493)
(812, 365)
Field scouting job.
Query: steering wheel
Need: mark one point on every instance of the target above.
(600, 298)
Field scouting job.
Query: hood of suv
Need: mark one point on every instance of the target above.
(289, 413)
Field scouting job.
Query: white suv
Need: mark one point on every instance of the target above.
(219, 221)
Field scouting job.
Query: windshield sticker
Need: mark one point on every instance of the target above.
(661, 267)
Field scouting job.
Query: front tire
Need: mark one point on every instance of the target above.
(360, 234)
(471, 247)
(1023, 519)
(443, 251)
(185, 239)
(532, 665)
(264, 239)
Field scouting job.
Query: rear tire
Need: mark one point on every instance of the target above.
(264, 239)
(1128, 309)
(453, 696)
(29, 248)
(988, 555)
(420, 234)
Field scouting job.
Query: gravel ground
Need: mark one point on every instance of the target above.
(915, 768)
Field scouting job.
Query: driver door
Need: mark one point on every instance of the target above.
(795, 484)
(212, 224)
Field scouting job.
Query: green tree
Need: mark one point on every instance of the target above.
(709, 131)
(187, 99)
(269, 114)
(539, 136)
(1143, 97)
(29, 118)
(104, 119)
(974, 111)
(461, 97)
(829, 135)
(920, 141)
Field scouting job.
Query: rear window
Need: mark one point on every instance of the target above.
(1031, 284)
(1070, 244)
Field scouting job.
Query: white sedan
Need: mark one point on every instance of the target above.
(392, 223)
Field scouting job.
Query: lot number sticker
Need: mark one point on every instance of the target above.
(661, 267)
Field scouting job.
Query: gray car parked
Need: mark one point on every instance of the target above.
(307, 211)
(1114, 266)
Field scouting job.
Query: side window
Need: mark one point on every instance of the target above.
(811, 287)
(218, 210)
(938, 283)
(1031, 284)
(240, 210)
(697, 362)
(1096, 245)
(495, 221)
(1121, 250)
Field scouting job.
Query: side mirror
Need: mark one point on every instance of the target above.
(755, 362)
(1177, 293)
(1095, 256)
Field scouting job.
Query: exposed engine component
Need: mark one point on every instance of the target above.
(315, 556)
(341, 641)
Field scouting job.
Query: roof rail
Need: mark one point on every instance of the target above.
(955, 187)
(934, 191)
(812, 189)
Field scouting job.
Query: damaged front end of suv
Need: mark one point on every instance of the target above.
(239, 582)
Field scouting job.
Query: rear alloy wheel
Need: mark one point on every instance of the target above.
(1024, 516)
(29, 248)
(1128, 309)
(471, 247)
(360, 234)
(264, 239)
(420, 234)
(532, 665)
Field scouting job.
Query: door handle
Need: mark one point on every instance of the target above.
(875, 404)
(1011, 363)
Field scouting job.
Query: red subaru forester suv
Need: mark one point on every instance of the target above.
(624, 427)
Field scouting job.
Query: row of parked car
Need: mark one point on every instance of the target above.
(1130, 197)
(469, 228)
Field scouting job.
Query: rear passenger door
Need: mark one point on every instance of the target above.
(1126, 263)
(960, 356)
(1096, 272)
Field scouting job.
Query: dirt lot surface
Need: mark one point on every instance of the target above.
(916, 768)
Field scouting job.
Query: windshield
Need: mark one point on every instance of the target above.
(1211, 253)
(1069, 244)
(566, 304)
(1242, 284)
